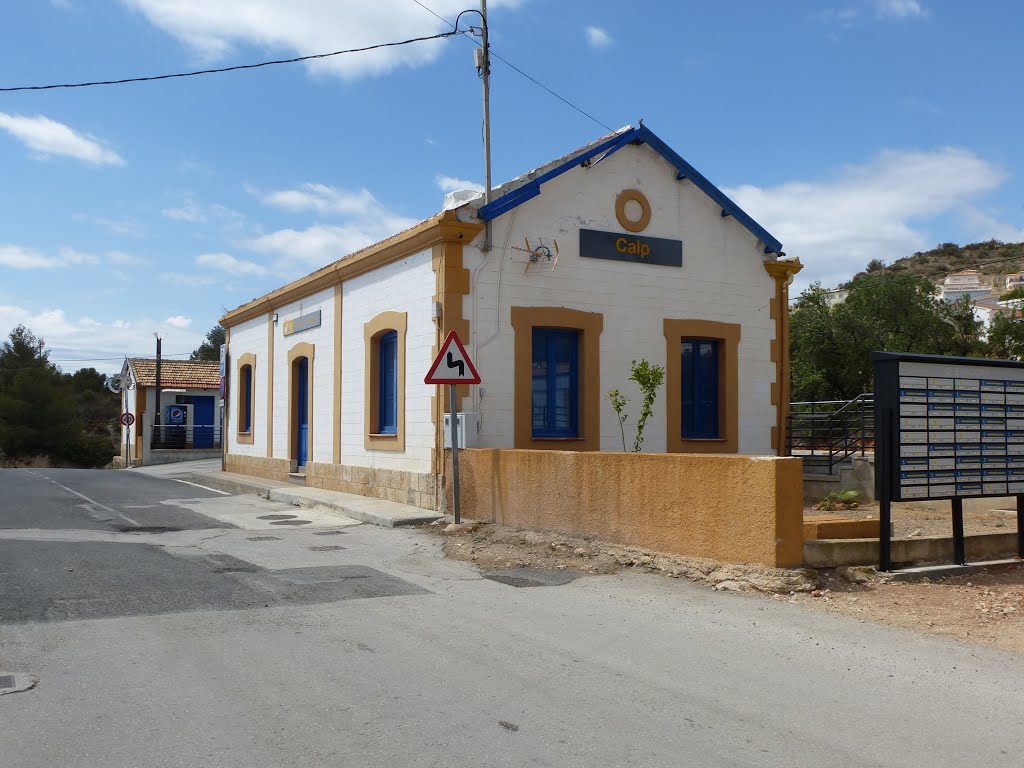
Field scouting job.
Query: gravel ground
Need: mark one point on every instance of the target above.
(986, 607)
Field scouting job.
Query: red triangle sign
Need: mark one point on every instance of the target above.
(452, 365)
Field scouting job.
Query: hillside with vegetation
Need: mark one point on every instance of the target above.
(993, 259)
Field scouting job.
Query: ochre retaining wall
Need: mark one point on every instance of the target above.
(740, 509)
(388, 484)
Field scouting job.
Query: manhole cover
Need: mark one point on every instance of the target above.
(532, 577)
(328, 548)
(291, 522)
(6, 681)
(328, 533)
(276, 517)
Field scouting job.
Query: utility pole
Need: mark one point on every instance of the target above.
(156, 404)
(485, 75)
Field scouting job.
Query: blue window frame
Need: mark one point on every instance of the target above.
(387, 401)
(700, 388)
(555, 394)
(247, 398)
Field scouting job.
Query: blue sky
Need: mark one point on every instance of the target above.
(850, 130)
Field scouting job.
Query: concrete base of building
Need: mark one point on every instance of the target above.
(908, 552)
(418, 490)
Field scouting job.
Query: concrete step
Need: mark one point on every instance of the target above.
(297, 478)
(388, 514)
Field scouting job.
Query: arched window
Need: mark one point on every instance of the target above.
(245, 394)
(387, 399)
(384, 402)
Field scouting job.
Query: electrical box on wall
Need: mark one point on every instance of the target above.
(467, 426)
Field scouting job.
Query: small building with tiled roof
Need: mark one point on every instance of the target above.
(190, 409)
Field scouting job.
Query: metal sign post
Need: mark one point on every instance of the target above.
(127, 419)
(452, 366)
(453, 409)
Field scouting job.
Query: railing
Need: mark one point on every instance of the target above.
(825, 433)
(194, 437)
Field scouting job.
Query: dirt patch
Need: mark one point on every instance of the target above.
(496, 547)
(985, 607)
(912, 520)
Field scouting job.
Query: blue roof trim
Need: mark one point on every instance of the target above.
(531, 189)
(729, 208)
(638, 135)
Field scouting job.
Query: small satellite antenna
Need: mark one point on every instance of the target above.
(543, 254)
(119, 383)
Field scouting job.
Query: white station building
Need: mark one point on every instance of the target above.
(619, 251)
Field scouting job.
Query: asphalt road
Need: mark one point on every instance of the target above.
(98, 500)
(325, 646)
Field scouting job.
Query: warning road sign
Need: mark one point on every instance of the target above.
(452, 365)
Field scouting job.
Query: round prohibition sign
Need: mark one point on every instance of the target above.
(127, 419)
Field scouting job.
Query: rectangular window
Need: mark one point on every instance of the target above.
(247, 398)
(700, 388)
(555, 379)
(388, 396)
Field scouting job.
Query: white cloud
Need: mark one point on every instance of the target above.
(123, 259)
(102, 344)
(451, 184)
(364, 221)
(899, 9)
(598, 38)
(868, 211)
(324, 199)
(309, 26)
(317, 245)
(48, 137)
(180, 279)
(19, 257)
(189, 212)
(225, 262)
(985, 226)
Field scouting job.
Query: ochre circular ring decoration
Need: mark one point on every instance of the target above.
(633, 225)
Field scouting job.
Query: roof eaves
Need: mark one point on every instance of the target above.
(528, 186)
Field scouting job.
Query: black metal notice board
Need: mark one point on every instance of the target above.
(947, 428)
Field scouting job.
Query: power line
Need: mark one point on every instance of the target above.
(229, 69)
(517, 69)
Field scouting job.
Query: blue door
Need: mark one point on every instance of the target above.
(302, 404)
(202, 420)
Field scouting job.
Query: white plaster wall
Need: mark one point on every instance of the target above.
(322, 371)
(248, 337)
(722, 279)
(403, 286)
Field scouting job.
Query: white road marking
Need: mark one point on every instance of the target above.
(204, 487)
(105, 508)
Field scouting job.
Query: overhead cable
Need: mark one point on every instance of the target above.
(228, 69)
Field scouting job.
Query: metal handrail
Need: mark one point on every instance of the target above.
(831, 430)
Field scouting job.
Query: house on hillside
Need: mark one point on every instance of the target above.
(966, 282)
(190, 408)
(618, 251)
(1014, 281)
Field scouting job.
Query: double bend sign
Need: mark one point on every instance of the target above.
(452, 365)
